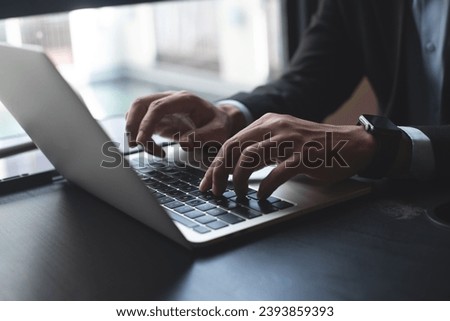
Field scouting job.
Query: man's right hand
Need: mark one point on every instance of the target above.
(182, 116)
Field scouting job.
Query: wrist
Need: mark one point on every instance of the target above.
(367, 146)
(388, 137)
(236, 118)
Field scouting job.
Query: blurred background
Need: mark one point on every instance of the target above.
(112, 55)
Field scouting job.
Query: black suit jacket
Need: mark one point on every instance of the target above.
(347, 40)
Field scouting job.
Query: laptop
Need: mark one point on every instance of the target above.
(161, 193)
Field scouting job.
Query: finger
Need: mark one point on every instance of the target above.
(216, 176)
(281, 174)
(152, 148)
(179, 103)
(253, 158)
(204, 136)
(174, 125)
(207, 181)
(137, 111)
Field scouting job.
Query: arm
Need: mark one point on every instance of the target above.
(323, 73)
(440, 140)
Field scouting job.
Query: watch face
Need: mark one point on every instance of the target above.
(381, 124)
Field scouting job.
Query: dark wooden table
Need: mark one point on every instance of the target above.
(59, 243)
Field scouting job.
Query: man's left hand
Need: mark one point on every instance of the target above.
(321, 151)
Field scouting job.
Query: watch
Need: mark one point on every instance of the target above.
(387, 136)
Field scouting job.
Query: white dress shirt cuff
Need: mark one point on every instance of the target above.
(422, 159)
(247, 115)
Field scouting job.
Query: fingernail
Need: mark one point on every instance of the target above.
(202, 185)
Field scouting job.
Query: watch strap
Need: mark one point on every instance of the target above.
(387, 144)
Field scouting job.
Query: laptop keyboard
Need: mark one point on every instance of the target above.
(175, 186)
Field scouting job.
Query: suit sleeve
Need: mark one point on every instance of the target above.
(440, 140)
(322, 75)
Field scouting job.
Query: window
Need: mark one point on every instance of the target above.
(112, 55)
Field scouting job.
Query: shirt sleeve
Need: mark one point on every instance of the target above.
(247, 115)
(422, 158)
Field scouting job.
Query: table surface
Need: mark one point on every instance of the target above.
(58, 242)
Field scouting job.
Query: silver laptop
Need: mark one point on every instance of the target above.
(160, 193)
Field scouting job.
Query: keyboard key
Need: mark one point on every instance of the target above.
(195, 172)
(223, 202)
(216, 199)
(195, 202)
(182, 220)
(165, 199)
(282, 205)
(194, 180)
(229, 205)
(147, 170)
(157, 194)
(179, 184)
(207, 196)
(183, 209)
(144, 178)
(217, 225)
(148, 181)
(166, 189)
(201, 229)
(260, 206)
(158, 164)
(188, 188)
(160, 176)
(173, 204)
(196, 193)
(155, 184)
(184, 176)
(205, 219)
(170, 180)
(271, 199)
(185, 198)
(216, 211)
(194, 214)
(230, 218)
(169, 171)
(175, 193)
(229, 194)
(205, 207)
(245, 212)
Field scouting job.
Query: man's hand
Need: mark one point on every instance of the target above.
(181, 116)
(321, 151)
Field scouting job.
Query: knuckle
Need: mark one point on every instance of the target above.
(138, 103)
(188, 96)
(249, 151)
(269, 115)
(157, 106)
(227, 145)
